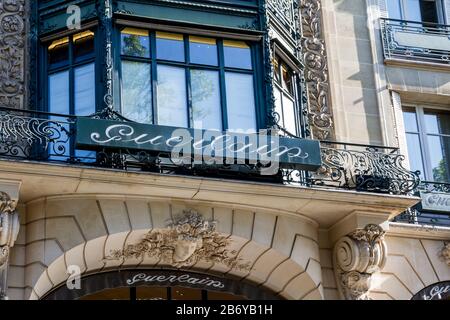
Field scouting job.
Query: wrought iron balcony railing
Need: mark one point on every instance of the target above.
(422, 213)
(48, 137)
(417, 41)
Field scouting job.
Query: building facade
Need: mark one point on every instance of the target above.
(97, 202)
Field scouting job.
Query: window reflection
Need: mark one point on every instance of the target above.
(83, 44)
(240, 102)
(135, 42)
(172, 104)
(169, 46)
(237, 54)
(203, 50)
(206, 109)
(58, 52)
(136, 91)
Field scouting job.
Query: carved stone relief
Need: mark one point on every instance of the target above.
(9, 229)
(316, 70)
(183, 243)
(12, 44)
(445, 253)
(356, 258)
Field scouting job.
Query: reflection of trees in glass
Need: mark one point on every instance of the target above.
(203, 87)
(171, 96)
(440, 172)
(132, 46)
(136, 100)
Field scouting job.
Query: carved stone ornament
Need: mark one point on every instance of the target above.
(9, 229)
(316, 70)
(186, 241)
(356, 257)
(445, 253)
(12, 28)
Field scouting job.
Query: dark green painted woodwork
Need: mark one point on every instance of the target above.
(294, 153)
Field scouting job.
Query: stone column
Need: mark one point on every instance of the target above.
(356, 258)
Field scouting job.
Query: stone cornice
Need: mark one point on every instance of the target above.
(418, 231)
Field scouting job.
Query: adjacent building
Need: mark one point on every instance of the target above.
(232, 149)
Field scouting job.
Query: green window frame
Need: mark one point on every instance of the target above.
(149, 56)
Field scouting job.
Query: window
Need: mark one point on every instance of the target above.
(284, 91)
(428, 141)
(187, 81)
(71, 79)
(416, 10)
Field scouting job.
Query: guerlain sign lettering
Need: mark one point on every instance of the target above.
(437, 291)
(200, 146)
(435, 201)
(142, 278)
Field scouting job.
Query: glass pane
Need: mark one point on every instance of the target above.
(83, 45)
(437, 121)
(58, 100)
(410, 120)
(151, 293)
(84, 96)
(206, 109)
(276, 70)
(135, 42)
(180, 293)
(429, 11)
(172, 108)
(84, 90)
(237, 54)
(414, 154)
(287, 76)
(58, 52)
(109, 294)
(240, 102)
(203, 50)
(289, 115)
(136, 91)
(59, 92)
(169, 46)
(412, 11)
(278, 105)
(394, 9)
(439, 154)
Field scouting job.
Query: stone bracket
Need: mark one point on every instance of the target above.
(356, 257)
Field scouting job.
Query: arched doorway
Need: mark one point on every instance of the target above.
(159, 285)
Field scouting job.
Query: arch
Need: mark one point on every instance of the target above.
(270, 271)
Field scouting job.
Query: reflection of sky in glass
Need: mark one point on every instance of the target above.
(438, 147)
(410, 121)
(237, 57)
(412, 10)
(437, 122)
(168, 49)
(136, 91)
(414, 154)
(206, 107)
(240, 101)
(203, 53)
(172, 109)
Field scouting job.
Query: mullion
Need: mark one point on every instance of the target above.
(187, 71)
(222, 85)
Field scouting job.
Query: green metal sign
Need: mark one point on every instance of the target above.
(202, 146)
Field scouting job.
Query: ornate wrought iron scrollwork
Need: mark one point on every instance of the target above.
(22, 136)
(368, 170)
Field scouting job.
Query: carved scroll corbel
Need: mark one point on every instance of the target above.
(356, 258)
(9, 230)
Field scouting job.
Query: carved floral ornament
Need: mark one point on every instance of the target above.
(356, 258)
(186, 241)
(445, 253)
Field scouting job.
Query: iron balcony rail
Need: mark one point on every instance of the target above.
(419, 41)
(419, 215)
(49, 137)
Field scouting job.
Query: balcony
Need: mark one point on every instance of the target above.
(45, 137)
(434, 209)
(414, 42)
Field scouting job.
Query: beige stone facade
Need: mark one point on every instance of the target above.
(298, 242)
